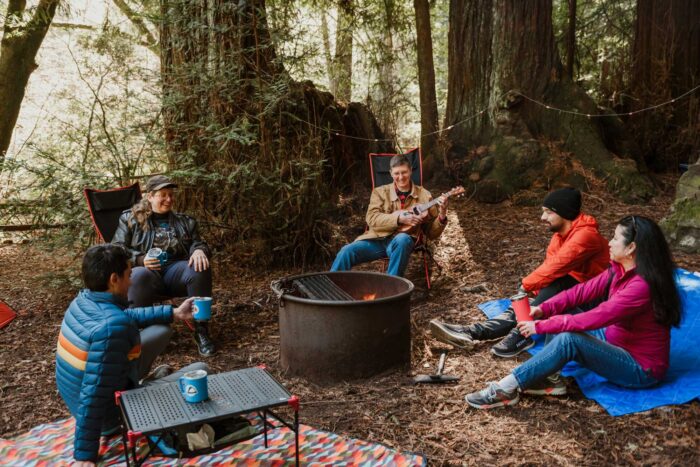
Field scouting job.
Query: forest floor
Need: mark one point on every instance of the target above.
(494, 245)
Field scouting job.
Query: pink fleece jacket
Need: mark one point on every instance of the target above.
(628, 315)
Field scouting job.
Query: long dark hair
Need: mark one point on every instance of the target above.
(655, 264)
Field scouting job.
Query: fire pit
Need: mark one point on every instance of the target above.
(339, 326)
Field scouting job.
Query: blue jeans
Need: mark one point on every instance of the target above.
(397, 248)
(609, 361)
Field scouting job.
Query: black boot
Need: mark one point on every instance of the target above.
(201, 336)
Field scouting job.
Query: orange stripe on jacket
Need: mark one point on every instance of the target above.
(71, 348)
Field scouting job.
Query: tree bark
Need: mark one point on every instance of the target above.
(327, 54)
(384, 100)
(433, 158)
(571, 41)
(257, 152)
(505, 76)
(21, 40)
(342, 81)
(666, 63)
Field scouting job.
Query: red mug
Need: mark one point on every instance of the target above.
(521, 306)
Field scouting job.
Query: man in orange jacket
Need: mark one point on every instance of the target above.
(576, 253)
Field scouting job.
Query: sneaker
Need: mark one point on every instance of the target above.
(452, 334)
(161, 371)
(552, 385)
(513, 344)
(491, 397)
(205, 345)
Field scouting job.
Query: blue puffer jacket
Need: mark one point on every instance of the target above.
(97, 354)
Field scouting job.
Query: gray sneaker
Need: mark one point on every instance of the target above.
(161, 371)
(552, 385)
(452, 334)
(491, 397)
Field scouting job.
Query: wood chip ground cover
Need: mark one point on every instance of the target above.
(483, 252)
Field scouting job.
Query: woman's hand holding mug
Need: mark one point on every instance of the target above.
(151, 263)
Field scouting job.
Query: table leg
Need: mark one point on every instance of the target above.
(126, 447)
(265, 426)
(296, 434)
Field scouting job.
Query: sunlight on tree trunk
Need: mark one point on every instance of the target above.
(342, 69)
(22, 36)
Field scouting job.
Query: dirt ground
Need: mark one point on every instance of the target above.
(493, 245)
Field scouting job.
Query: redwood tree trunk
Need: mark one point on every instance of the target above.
(434, 160)
(571, 41)
(256, 152)
(503, 62)
(21, 40)
(666, 63)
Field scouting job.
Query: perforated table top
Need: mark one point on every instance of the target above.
(158, 407)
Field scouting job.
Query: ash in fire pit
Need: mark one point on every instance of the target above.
(346, 325)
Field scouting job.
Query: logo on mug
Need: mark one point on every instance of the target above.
(191, 391)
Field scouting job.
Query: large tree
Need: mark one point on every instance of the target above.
(426, 88)
(22, 35)
(666, 64)
(504, 77)
(264, 155)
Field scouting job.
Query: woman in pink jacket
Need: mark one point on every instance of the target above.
(640, 305)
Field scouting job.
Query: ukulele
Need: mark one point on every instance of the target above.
(419, 209)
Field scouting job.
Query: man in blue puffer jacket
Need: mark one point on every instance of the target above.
(105, 347)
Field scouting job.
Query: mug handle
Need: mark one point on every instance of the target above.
(182, 388)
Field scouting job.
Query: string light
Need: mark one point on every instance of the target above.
(483, 111)
(624, 114)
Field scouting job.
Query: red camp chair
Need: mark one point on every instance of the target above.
(380, 171)
(7, 314)
(106, 206)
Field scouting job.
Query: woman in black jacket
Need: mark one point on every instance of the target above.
(184, 268)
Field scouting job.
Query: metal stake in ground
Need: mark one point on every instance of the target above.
(438, 377)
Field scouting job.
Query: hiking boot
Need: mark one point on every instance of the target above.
(205, 345)
(552, 385)
(452, 334)
(491, 397)
(513, 344)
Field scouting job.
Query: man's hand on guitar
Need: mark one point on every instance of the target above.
(408, 218)
(443, 201)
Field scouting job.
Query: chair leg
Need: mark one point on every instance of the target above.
(427, 270)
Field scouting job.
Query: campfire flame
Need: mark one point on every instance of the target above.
(369, 296)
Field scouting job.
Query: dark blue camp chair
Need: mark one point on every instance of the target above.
(380, 173)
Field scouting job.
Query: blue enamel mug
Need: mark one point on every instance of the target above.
(201, 308)
(193, 386)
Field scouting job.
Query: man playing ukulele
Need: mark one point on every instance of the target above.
(394, 227)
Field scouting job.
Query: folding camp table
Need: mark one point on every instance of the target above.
(157, 409)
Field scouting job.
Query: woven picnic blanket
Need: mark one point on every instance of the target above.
(52, 445)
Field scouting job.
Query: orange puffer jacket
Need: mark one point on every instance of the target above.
(582, 253)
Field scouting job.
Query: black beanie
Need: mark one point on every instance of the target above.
(566, 202)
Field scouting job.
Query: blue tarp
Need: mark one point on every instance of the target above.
(682, 381)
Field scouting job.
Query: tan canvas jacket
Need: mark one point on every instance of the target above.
(383, 213)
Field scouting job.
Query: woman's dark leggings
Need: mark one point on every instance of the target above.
(177, 279)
